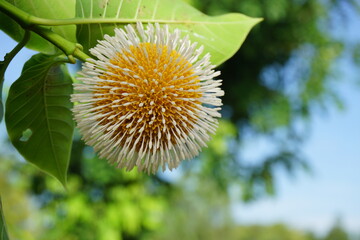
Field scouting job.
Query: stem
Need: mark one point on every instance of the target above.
(69, 48)
(26, 21)
(77, 21)
(18, 15)
(3, 231)
(9, 56)
(4, 64)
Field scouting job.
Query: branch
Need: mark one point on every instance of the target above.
(9, 56)
(28, 22)
(3, 231)
(4, 64)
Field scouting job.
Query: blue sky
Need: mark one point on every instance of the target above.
(333, 149)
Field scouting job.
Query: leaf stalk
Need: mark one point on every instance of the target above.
(4, 64)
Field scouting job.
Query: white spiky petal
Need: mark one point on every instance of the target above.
(148, 100)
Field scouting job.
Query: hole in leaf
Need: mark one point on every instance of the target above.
(26, 135)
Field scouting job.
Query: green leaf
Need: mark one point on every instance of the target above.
(38, 116)
(3, 232)
(45, 9)
(222, 36)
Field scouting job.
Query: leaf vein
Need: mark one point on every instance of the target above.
(119, 9)
(155, 9)
(50, 137)
(137, 9)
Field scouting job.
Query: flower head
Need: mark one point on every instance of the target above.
(148, 100)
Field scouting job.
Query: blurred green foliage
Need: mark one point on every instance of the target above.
(337, 232)
(280, 75)
(20, 217)
(138, 211)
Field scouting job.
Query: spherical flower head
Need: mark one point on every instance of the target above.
(148, 100)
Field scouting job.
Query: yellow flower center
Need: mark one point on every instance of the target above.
(152, 94)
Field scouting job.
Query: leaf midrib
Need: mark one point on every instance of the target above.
(48, 124)
(83, 21)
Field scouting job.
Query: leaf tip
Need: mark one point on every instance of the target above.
(258, 20)
(61, 178)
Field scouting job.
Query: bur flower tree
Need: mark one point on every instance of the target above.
(148, 94)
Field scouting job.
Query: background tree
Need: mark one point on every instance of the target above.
(279, 76)
(337, 232)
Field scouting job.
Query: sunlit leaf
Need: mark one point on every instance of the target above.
(222, 36)
(3, 232)
(38, 116)
(45, 9)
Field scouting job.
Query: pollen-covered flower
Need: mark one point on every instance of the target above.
(148, 100)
